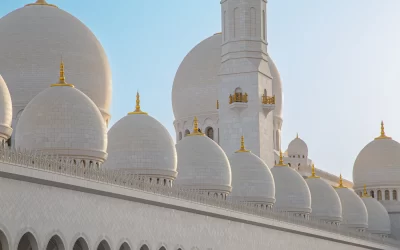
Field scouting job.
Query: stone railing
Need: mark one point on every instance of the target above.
(65, 166)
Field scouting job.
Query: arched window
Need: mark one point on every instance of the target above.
(372, 194)
(144, 247)
(55, 243)
(80, 244)
(163, 248)
(379, 195)
(104, 245)
(125, 246)
(387, 195)
(27, 242)
(289, 165)
(3, 241)
(394, 195)
(187, 132)
(180, 135)
(210, 133)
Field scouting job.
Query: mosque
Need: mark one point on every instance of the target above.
(67, 181)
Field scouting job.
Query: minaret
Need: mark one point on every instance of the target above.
(246, 82)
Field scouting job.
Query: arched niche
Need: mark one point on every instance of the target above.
(28, 242)
(210, 132)
(103, 245)
(163, 248)
(3, 241)
(55, 243)
(80, 244)
(125, 246)
(187, 132)
(144, 247)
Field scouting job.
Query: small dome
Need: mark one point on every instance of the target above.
(202, 164)
(291, 191)
(354, 212)
(5, 111)
(252, 180)
(378, 163)
(297, 147)
(62, 120)
(378, 217)
(33, 36)
(325, 202)
(140, 144)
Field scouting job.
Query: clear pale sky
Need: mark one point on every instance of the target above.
(339, 62)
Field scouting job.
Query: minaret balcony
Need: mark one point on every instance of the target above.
(268, 103)
(238, 101)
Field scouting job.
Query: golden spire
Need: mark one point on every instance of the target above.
(137, 110)
(365, 193)
(217, 104)
(61, 81)
(281, 163)
(313, 175)
(242, 148)
(297, 135)
(41, 2)
(196, 127)
(383, 135)
(341, 182)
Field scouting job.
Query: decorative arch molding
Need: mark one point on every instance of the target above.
(5, 238)
(144, 243)
(28, 236)
(126, 243)
(162, 246)
(56, 240)
(179, 247)
(84, 238)
(24, 231)
(101, 240)
(124, 246)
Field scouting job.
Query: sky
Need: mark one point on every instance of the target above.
(339, 63)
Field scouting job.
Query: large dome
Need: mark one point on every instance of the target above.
(195, 89)
(378, 163)
(62, 120)
(202, 164)
(140, 144)
(5, 110)
(33, 39)
(252, 180)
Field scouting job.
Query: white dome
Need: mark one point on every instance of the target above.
(33, 39)
(5, 110)
(378, 164)
(354, 212)
(291, 191)
(297, 147)
(203, 165)
(63, 121)
(196, 83)
(252, 180)
(140, 144)
(378, 217)
(325, 202)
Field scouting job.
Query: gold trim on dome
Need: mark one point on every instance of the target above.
(313, 175)
(137, 111)
(62, 82)
(41, 2)
(383, 135)
(340, 182)
(195, 128)
(365, 193)
(281, 163)
(242, 148)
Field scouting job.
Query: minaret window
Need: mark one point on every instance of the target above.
(187, 132)
(238, 96)
(180, 135)
(379, 195)
(372, 194)
(387, 195)
(210, 133)
(394, 195)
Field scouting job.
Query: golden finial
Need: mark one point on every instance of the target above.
(297, 136)
(242, 148)
(137, 110)
(365, 193)
(383, 135)
(313, 175)
(281, 163)
(61, 81)
(41, 2)
(340, 182)
(196, 127)
(217, 104)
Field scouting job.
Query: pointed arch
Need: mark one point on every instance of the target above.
(80, 244)
(4, 245)
(125, 246)
(103, 245)
(163, 248)
(144, 247)
(28, 242)
(187, 132)
(55, 243)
